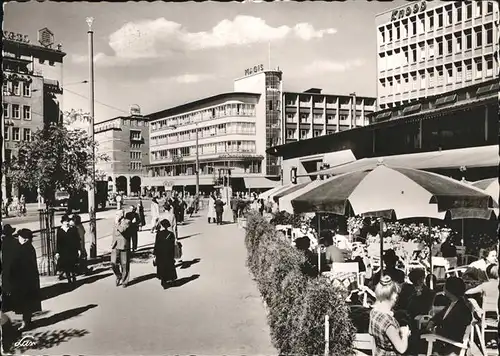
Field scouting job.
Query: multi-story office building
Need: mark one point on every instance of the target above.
(311, 114)
(431, 47)
(125, 142)
(31, 92)
(233, 129)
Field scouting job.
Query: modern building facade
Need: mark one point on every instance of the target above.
(431, 47)
(31, 94)
(455, 133)
(125, 142)
(229, 131)
(311, 114)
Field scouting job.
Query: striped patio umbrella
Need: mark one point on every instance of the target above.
(396, 192)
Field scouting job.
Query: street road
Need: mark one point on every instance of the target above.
(216, 309)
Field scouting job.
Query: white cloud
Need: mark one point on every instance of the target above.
(188, 78)
(322, 66)
(161, 37)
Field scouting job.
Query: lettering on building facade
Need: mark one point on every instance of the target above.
(409, 10)
(254, 69)
(18, 37)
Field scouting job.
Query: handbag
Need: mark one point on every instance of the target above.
(178, 250)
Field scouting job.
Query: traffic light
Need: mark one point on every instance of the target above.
(293, 175)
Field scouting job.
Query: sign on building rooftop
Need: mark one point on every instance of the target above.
(46, 37)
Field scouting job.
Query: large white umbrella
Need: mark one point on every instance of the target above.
(490, 186)
(285, 202)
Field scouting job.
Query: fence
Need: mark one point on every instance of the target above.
(48, 242)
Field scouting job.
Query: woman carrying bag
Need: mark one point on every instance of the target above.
(165, 254)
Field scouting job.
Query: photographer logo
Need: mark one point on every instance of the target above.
(27, 341)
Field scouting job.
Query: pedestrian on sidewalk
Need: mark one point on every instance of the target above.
(219, 209)
(21, 280)
(234, 207)
(170, 216)
(164, 254)
(134, 218)
(142, 216)
(211, 209)
(77, 222)
(155, 214)
(68, 250)
(120, 249)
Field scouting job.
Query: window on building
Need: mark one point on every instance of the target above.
(468, 40)
(449, 16)
(26, 89)
(6, 133)
(422, 80)
(431, 78)
(382, 35)
(303, 133)
(431, 48)
(414, 81)
(27, 135)
(5, 87)
(479, 68)
(440, 18)
(440, 76)
(449, 45)
(479, 36)
(439, 42)
(414, 55)
(458, 43)
(468, 10)
(449, 75)
(15, 111)
(489, 67)
(389, 33)
(479, 8)
(290, 133)
(468, 70)
(431, 21)
(421, 49)
(489, 7)
(489, 34)
(459, 11)
(342, 117)
(317, 133)
(16, 134)
(5, 112)
(26, 112)
(458, 68)
(16, 88)
(413, 26)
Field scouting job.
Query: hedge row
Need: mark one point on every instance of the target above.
(296, 303)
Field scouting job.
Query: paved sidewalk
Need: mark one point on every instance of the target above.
(215, 310)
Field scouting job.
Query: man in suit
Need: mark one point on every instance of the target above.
(120, 249)
(219, 209)
(234, 207)
(134, 219)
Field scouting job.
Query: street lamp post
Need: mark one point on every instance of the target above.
(91, 191)
(354, 109)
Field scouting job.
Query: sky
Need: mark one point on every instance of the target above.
(159, 55)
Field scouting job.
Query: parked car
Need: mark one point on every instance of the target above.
(61, 200)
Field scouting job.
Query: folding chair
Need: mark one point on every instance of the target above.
(463, 345)
(364, 342)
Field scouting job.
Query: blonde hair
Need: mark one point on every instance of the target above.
(386, 288)
(120, 214)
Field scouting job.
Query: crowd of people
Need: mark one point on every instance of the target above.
(15, 205)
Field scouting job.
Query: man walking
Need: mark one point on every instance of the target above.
(120, 249)
(234, 207)
(134, 219)
(219, 209)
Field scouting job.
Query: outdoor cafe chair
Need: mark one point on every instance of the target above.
(364, 342)
(462, 345)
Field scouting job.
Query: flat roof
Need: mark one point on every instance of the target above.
(6, 43)
(187, 106)
(122, 117)
(326, 94)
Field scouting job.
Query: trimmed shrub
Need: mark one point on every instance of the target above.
(296, 302)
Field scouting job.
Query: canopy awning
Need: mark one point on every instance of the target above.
(260, 183)
(472, 157)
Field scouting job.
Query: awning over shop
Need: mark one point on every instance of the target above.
(290, 190)
(472, 157)
(260, 183)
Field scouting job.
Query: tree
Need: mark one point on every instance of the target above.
(56, 158)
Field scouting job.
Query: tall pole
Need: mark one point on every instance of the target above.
(4, 179)
(197, 164)
(92, 217)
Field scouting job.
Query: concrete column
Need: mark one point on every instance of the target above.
(298, 117)
(325, 125)
(486, 112)
(338, 114)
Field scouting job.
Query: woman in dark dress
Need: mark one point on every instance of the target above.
(142, 215)
(164, 252)
(67, 250)
(21, 281)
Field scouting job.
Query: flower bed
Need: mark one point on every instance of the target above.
(297, 304)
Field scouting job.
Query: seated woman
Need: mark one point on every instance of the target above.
(488, 289)
(488, 257)
(452, 321)
(390, 338)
